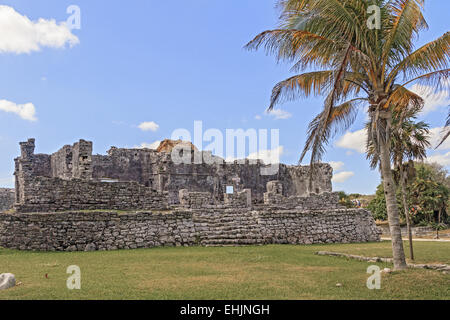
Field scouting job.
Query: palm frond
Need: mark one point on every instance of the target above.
(336, 19)
(406, 20)
(339, 119)
(434, 55)
(314, 83)
(301, 85)
(404, 100)
(317, 149)
(290, 44)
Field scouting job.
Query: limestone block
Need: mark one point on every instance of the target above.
(7, 280)
(275, 187)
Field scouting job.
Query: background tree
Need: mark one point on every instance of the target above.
(378, 205)
(409, 142)
(437, 173)
(427, 193)
(431, 196)
(356, 62)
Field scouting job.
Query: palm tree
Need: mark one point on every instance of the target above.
(409, 142)
(356, 62)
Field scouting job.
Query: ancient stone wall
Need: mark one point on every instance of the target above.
(239, 199)
(62, 163)
(7, 198)
(29, 165)
(153, 170)
(126, 165)
(195, 200)
(211, 227)
(157, 170)
(94, 231)
(330, 226)
(274, 198)
(43, 194)
(327, 200)
(211, 174)
(82, 160)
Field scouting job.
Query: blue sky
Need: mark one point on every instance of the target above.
(170, 63)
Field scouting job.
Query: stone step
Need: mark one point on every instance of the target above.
(229, 229)
(232, 237)
(232, 241)
(243, 233)
(230, 245)
(225, 221)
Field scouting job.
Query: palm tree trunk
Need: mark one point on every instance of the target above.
(439, 223)
(407, 216)
(391, 206)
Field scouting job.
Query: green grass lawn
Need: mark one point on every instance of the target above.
(263, 272)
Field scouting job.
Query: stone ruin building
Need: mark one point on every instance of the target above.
(7, 199)
(135, 198)
(131, 179)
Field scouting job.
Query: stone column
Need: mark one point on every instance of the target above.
(82, 160)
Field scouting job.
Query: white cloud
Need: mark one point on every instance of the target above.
(148, 126)
(336, 165)
(268, 156)
(339, 177)
(442, 159)
(342, 176)
(272, 156)
(433, 100)
(153, 145)
(436, 135)
(356, 141)
(18, 34)
(258, 117)
(279, 114)
(26, 111)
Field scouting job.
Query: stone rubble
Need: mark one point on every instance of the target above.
(438, 267)
(7, 280)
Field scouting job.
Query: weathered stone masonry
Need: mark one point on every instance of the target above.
(42, 194)
(63, 181)
(41, 179)
(148, 201)
(79, 231)
(7, 198)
